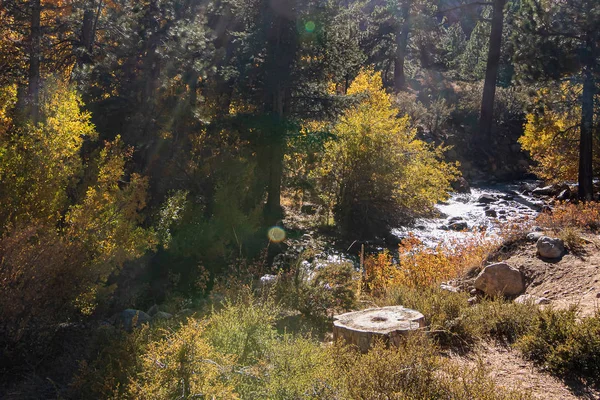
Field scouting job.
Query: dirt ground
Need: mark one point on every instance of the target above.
(508, 369)
(572, 280)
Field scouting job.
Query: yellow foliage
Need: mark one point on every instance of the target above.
(39, 163)
(421, 266)
(183, 365)
(376, 171)
(552, 135)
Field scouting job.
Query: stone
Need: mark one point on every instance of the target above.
(130, 318)
(550, 190)
(534, 236)
(486, 199)
(500, 279)
(550, 247)
(152, 310)
(491, 213)
(449, 288)
(564, 195)
(161, 315)
(390, 324)
(529, 298)
(458, 226)
(461, 186)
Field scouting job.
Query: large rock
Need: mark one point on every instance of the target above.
(551, 190)
(486, 199)
(458, 226)
(130, 319)
(550, 247)
(461, 185)
(500, 279)
(390, 324)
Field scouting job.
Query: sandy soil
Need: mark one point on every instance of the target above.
(572, 280)
(508, 369)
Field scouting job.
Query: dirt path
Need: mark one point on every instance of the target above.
(508, 369)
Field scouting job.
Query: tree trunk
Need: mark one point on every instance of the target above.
(586, 186)
(486, 117)
(401, 45)
(88, 32)
(33, 89)
(282, 46)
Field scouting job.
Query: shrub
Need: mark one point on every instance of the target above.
(182, 364)
(243, 329)
(375, 170)
(422, 266)
(332, 287)
(566, 215)
(565, 346)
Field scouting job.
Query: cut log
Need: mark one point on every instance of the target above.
(390, 324)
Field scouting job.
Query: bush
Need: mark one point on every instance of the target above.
(375, 171)
(334, 286)
(243, 329)
(182, 364)
(584, 216)
(421, 266)
(565, 346)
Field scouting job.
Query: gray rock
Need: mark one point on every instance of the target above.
(564, 195)
(449, 288)
(130, 319)
(153, 310)
(486, 199)
(491, 213)
(461, 186)
(551, 190)
(500, 279)
(529, 298)
(161, 315)
(550, 247)
(534, 236)
(458, 226)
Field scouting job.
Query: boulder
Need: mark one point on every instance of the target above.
(130, 319)
(534, 236)
(486, 199)
(458, 226)
(161, 315)
(153, 310)
(528, 298)
(500, 279)
(564, 195)
(491, 213)
(449, 288)
(548, 247)
(461, 185)
(551, 190)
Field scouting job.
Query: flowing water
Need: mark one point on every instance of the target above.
(485, 208)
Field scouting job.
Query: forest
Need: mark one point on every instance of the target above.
(193, 191)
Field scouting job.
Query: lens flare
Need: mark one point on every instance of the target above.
(276, 234)
(309, 26)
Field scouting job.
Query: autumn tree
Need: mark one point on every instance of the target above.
(375, 173)
(565, 39)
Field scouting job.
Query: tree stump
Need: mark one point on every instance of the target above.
(390, 324)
